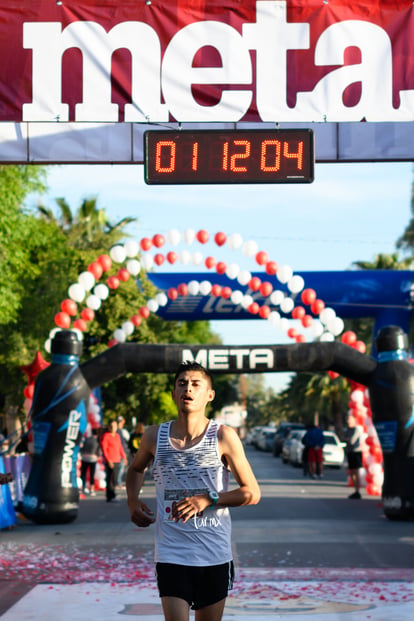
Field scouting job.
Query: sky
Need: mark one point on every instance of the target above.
(351, 212)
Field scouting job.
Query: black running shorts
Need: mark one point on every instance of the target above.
(199, 586)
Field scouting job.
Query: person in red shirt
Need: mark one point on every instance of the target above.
(114, 454)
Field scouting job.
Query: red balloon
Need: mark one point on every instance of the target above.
(144, 312)
(264, 311)
(333, 375)
(171, 257)
(105, 261)
(266, 289)
(145, 243)
(88, 314)
(210, 262)
(220, 238)
(292, 333)
(112, 343)
(271, 268)
(308, 296)
(62, 320)
(216, 290)
(182, 289)
(298, 312)
(317, 307)
(349, 337)
(221, 267)
(80, 324)
(159, 259)
(137, 320)
(254, 283)
(29, 391)
(172, 293)
(202, 236)
(123, 274)
(96, 269)
(300, 338)
(253, 308)
(70, 307)
(360, 346)
(158, 240)
(113, 282)
(369, 441)
(226, 292)
(306, 321)
(262, 257)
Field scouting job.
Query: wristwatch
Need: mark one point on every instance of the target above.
(214, 498)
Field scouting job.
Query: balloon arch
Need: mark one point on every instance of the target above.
(316, 320)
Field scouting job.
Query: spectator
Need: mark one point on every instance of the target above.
(124, 435)
(314, 441)
(89, 456)
(114, 454)
(354, 455)
(135, 438)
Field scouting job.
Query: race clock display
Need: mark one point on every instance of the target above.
(219, 156)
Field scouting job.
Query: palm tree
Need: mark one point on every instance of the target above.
(87, 228)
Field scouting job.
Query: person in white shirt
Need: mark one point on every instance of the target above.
(192, 457)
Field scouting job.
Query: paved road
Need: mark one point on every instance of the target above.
(302, 530)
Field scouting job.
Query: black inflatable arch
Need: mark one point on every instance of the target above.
(62, 391)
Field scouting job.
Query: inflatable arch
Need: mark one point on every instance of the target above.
(71, 382)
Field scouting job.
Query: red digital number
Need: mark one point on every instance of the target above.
(232, 165)
(264, 155)
(158, 154)
(298, 155)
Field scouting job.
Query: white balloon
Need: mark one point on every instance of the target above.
(284, 273)
(284, 324)
(244, 277)
(250, 248)
(274, 318)
(287, 305)
(246, 301)
(235, 241)
(131, 248)
(232, 271)
(120, 336)
(336, 326)
(133, 266)
(197, 258)
(54, 331)
(173, 237)
(152, 306)
(48, 345)
(205, 287)
(188, 236)
(316, 328)
(86, 280)
(357, 396)
(327, 337)
(162, 299)
(296, 284)
(277, 297)
(101, 291)
(236, 297)
(79, 333)
(117, 254)
(93, 302)
(184, 257)
(147, 262)
(193, 287)
(128, 327)
(327, 315)
(76, 292)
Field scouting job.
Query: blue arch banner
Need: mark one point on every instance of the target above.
(385, 295)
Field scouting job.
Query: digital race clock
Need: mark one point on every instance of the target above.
(220, 156)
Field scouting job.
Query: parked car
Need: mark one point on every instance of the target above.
(295, 446)
(281, 434)
(333, 450)
(251, 435)
(264, 440)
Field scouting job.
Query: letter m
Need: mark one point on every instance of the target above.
(201, 357)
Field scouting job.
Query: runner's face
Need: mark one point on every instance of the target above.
(192, 391)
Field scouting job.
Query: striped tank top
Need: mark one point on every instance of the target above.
(206, 538)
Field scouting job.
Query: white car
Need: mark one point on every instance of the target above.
(333, 450)
(264, 439)
(295, 447)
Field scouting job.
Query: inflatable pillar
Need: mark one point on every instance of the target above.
(59, 419)
(392, 398)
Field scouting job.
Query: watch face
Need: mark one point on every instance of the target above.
(213, 495)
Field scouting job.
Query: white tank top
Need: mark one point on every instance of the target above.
(206, 538)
